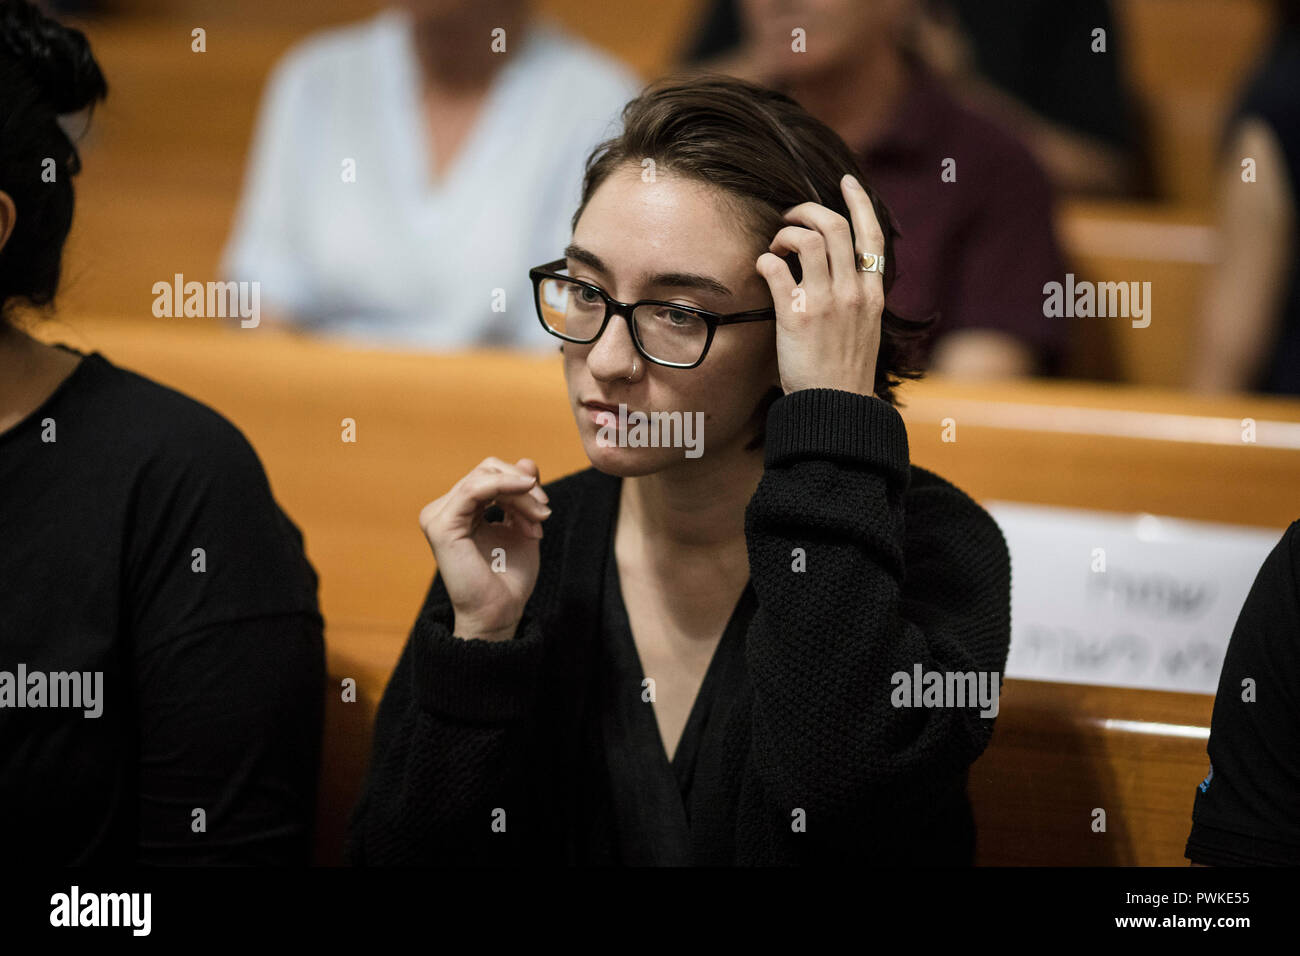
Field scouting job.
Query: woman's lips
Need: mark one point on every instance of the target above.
(602, 414)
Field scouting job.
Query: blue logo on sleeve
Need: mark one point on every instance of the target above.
(1205, 784)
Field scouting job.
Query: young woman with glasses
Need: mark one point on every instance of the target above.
(698, 662)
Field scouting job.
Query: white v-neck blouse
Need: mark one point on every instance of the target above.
(394, 258)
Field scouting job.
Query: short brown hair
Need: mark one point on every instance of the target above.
(768, 153)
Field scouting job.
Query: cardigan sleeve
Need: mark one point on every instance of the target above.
(827, 640)
(449, 778)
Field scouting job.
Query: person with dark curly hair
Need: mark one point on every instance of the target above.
(161, 651)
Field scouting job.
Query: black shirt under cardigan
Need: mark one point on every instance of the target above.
(655, 799)
(495, 752)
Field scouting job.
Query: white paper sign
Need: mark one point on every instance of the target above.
(1125, 600)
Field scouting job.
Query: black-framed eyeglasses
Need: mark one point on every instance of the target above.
(665, 333)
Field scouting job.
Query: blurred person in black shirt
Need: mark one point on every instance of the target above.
(161, 652)
(1247, 809)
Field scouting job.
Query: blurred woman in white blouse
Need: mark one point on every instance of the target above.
(407, 171)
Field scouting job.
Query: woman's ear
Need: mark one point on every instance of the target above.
(8, 217)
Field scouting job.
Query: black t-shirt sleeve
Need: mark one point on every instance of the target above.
(1247, 810)
(228, 654)
(207, 543)
(230, 725)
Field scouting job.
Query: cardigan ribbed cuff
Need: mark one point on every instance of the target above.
(833, 424)
(476, 680)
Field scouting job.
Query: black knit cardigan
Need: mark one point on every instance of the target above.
(489, 753)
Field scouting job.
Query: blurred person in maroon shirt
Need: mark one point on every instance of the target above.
(973, 206)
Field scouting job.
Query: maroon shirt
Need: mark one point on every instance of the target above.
(978, 250)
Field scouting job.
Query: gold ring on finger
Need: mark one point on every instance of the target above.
(870, 262)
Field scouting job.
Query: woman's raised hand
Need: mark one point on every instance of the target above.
(489, 569)
(827, 326)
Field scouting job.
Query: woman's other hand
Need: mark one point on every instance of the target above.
(488, 568)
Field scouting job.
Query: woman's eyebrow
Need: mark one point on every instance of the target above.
(687, 280)
(675, 280)
(586, 257)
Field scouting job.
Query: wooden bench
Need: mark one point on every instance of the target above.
(1169, 247)
(423, 420)
(1061, 752)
